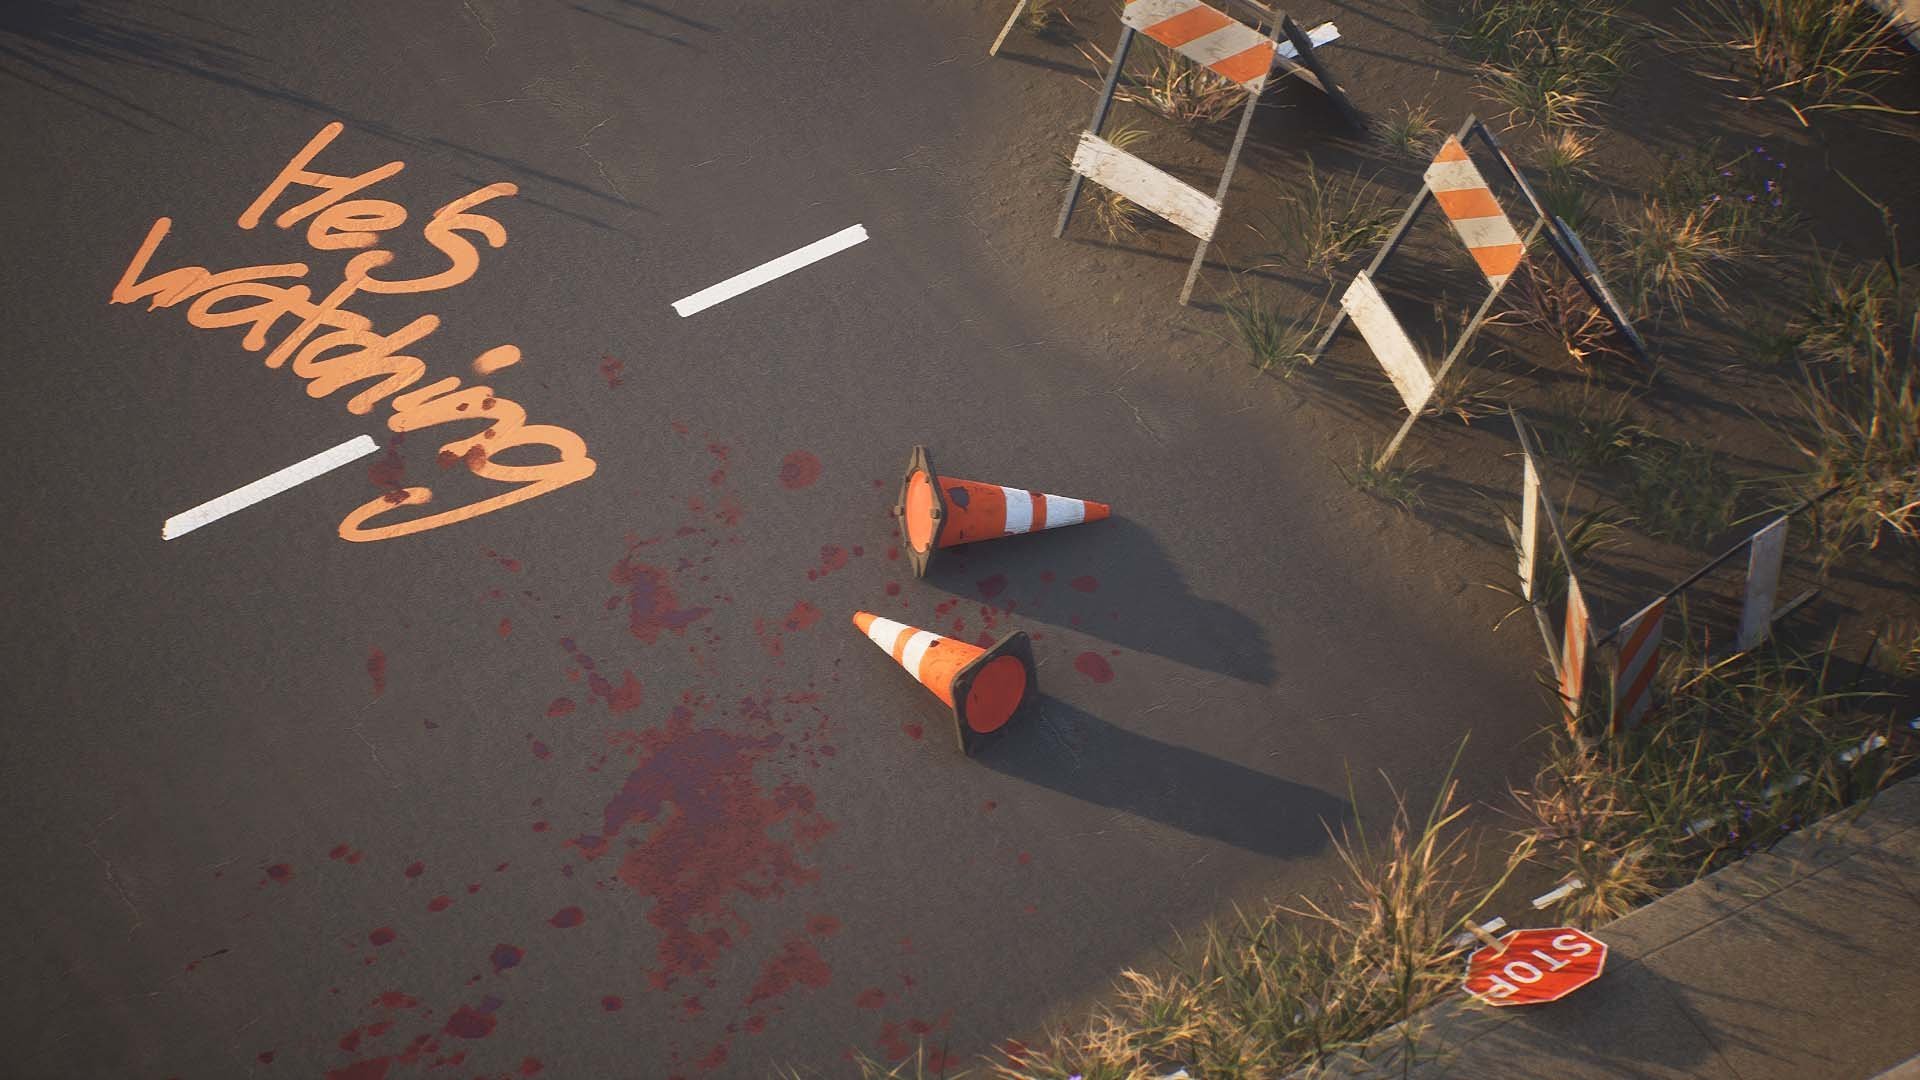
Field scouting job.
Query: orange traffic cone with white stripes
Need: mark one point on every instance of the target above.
(983, 687)
(939, 511)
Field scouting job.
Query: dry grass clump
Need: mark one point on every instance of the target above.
(1735, 754)
(1173, 86)
(1858, 396)
(1277, 341)
(1810, 55)
(1549, 62)
(1278, 991)
(1323, 222)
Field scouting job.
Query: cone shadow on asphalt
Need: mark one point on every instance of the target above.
(1055, 745)
(1143, 603)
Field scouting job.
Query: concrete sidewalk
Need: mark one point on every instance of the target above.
(1802, 963)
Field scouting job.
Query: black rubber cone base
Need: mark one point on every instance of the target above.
(1015, 646)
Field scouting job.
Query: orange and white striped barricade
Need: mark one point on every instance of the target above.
(984, 688)
(1455, 182)
(1227, 47)
(1567, 653)
(1637, 662)
(938, 511)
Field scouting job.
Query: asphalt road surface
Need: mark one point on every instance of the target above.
(603, 782)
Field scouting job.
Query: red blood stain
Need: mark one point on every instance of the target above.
(505, 628)
(993, 586)
(377, 670)
(802, 616)
(711, 835)
(530, 1066)
(539, 826)
(871, 998)
(471, 1023)
(415, 869)
(1085, 583)
(343, 853)
(822, 925)
(395, 999)
(506, 956)
(567, 918)
(473, 888)
(610, 371)
(611, 1003)
(692, 1006)
(893, 1043)
(913, 730)
(389, 473)
(893, 588)
(625, 697)
(799, 469)
(440, 903)
(715, 1058)
(370, 1069)
(1093, 666)
(560, 706)
(754, 1024)
(512, 565)
(989, 806)
(652, 608)
(832, 557)
(381, 936)
(264, 1057)
(1026, 857)
(893, 552)
(1046, 577)
(540, 750)
(797, 963)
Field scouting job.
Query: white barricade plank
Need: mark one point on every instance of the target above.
(1529, 523)
(1116, 170)
(1573, 648)
(1389, 342)
(1764, 554)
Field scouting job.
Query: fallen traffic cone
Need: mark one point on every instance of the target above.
(939, 511)
(983, 687)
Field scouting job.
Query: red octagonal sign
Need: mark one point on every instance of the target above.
(1532, 966)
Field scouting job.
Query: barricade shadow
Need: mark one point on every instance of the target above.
(1145, 605)
(1067, 749)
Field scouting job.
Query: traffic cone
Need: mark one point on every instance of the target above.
(983, 687)
(939, 511)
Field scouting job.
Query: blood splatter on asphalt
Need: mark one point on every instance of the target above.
(714, 833)
(567, 918)
(377, 670)
(1093, 666)
(799, 469)
(610, 371)
(652, 607)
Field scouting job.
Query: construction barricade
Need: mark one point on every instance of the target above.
(1454, 181)
(1227, 47)
(1724, 621)
(1567, 652)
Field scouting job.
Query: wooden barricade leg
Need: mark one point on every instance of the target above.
(1233, 160)
(1018, 8)
(1099, 121)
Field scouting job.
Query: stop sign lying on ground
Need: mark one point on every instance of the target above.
(1533, 966)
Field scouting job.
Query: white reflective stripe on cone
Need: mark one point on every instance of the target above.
(1019, 510)
(916, 650)
(1064, 511)
(885, 632)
